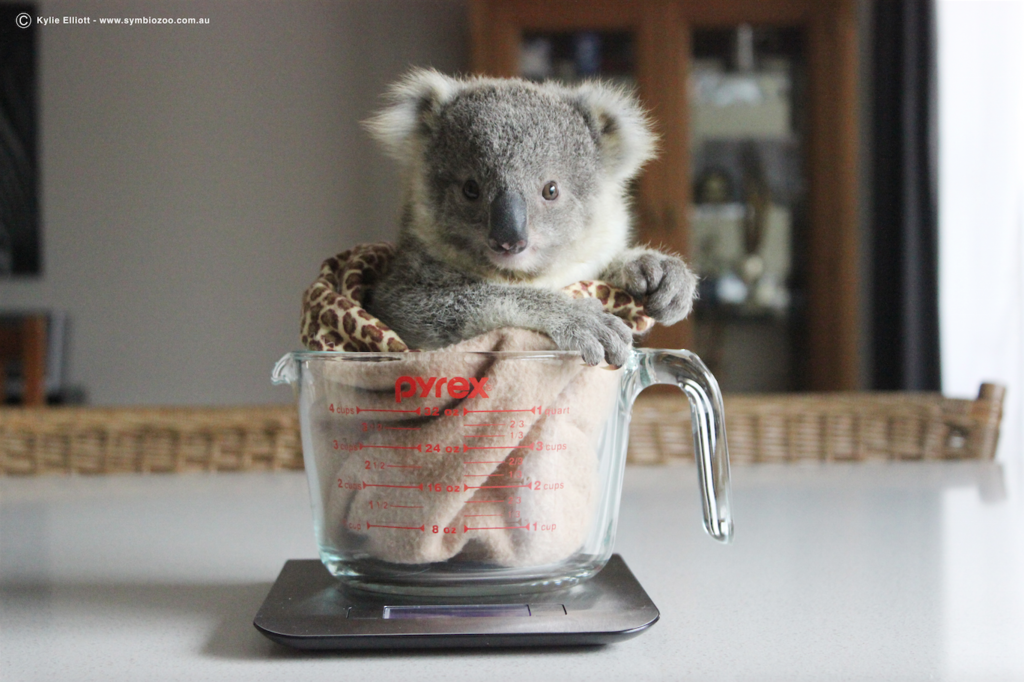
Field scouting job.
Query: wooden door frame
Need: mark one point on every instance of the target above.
(663, 30)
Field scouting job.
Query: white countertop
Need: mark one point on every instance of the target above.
(892, 572)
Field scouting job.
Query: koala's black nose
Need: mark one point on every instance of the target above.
(507, 223)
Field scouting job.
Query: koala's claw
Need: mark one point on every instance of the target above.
(597, 335)
(664, 283)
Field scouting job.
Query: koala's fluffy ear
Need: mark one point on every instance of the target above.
(620, 126)
(413, 106)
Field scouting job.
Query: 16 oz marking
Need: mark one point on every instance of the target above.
(443, 488)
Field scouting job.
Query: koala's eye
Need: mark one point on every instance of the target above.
(471, 190)
(550, 191)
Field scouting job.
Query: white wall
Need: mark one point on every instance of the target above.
(194, 177)
(981, 205)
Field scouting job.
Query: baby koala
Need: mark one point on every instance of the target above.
(513, 190)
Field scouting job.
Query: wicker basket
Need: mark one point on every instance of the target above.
(767, 428)
(827, 427)
(117, 440)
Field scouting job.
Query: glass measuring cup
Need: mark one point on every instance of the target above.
(465, 473)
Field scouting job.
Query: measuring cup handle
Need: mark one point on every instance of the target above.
(685, 370)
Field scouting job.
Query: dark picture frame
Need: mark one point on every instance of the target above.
(20, 239)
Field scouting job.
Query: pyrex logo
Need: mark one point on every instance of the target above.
(457, 387)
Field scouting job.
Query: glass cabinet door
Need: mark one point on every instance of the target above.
(748, 209)
(570, 56)
(756, 183)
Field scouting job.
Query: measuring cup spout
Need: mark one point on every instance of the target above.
(685, 370)
(286, 371)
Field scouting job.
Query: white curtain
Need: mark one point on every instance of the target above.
(981, 205)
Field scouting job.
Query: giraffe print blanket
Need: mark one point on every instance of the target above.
(333, 317)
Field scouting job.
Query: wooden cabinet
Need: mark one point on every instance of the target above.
(662, 43)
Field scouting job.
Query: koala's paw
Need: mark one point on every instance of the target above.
(664, 284)
(597, 335)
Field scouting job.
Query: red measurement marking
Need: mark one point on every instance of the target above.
(384, 485)
(360, 410)
(465, 411)
(393, 447)
(483, 424)
(406, 506)
(487, 447)
(497, 436)
(401, 466)
(377, 525)
(402, 428)
(466, 528)
(485, 487)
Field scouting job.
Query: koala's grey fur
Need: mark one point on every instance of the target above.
(484, 244)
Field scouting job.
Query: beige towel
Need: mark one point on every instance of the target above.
(509, 488)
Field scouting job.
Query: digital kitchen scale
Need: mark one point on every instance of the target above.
(307, 608)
